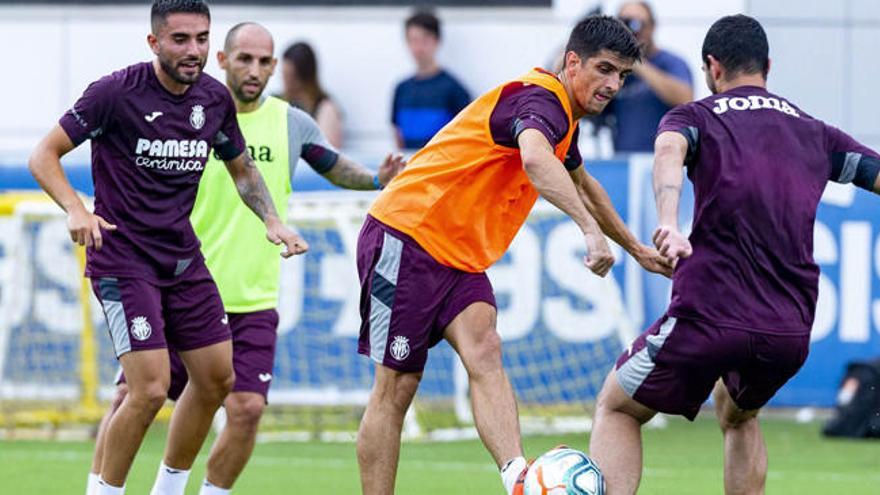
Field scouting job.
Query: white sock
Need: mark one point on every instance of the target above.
(170, 481)
(92, 485)
(106, 489)
(210, 489)
(510, 471)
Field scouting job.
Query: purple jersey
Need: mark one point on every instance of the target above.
(759, 166)
(528, 106)
(149, 148)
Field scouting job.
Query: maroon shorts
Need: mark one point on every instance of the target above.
(407, 297)
(253, 354)
(185, 315)
(673, 366)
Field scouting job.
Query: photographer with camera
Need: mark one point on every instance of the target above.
(659, 83)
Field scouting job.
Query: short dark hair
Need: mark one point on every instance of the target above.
(595, 33)
(163, 8)
(426, 20)
(739, 43)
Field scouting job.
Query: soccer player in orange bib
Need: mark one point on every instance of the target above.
(436, 228)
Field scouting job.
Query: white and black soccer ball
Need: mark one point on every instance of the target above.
(564, 471)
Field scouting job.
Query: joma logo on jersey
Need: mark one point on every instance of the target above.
(261, 153)
(171, 154)
(172, 148)
(754, 102)
(258, 153)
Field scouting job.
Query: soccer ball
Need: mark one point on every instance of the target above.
(564, 471)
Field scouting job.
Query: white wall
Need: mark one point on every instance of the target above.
(822, 52)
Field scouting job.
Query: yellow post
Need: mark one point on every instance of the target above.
(88, 355)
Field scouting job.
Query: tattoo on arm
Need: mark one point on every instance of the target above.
(253, 191)
(350, 175)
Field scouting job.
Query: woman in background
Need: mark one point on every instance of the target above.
(303, 90)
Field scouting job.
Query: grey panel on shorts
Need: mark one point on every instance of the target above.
(634, 371)
(382, 291)
(182, 265)
(111, 300)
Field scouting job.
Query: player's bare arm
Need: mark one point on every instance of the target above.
(597, 202)
(670, 150)
(349, 174)
(550, 179)
(45, 165)
(877, 185)
(256, 196)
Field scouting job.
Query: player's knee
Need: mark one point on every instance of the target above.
(121, 392)
(736, 419)
(484, 356)
(149, 397)
(405, 389)
(395, 390)
(245, 413)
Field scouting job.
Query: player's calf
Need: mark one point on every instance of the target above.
(235, 444)
(378, 442)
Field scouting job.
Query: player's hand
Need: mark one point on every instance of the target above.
(653, 261)
(599, 258)
(391, 166)
(85, 227)
(672, 244)
(278, 233)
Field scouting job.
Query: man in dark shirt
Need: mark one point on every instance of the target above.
(152, 126)
(425, 102)
(661, 81)
(745, 287)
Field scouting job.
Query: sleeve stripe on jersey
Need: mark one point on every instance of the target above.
(844, 165)
(692, 135)
(225, 148)
(867, 172)
(861, 170)
(320, 158)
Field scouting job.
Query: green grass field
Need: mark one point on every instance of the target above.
(681, 459)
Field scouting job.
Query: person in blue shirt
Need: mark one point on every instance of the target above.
(425, 102)
(661, 82)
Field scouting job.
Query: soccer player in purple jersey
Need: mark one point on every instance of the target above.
(152, 126)
(245, 270)
(745, 285)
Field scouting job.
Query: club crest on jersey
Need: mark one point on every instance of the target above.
(140, 328)
(197, 117)
(400, 348)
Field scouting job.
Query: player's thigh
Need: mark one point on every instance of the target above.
(473, 335)
(193, 311)
(403, 291)
(468, 315)
(673, 365)
(612, 398)
(146, 372)
(772, 361)
(133, 310)
(254, 337)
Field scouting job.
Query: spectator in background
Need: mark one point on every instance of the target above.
(303, 90)
(662, 81)
(425, 102)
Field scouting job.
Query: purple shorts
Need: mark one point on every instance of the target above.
(185, 315)
(672, 367)
(408, 298)
(253, 354)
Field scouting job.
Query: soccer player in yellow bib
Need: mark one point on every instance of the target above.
(246, 267)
